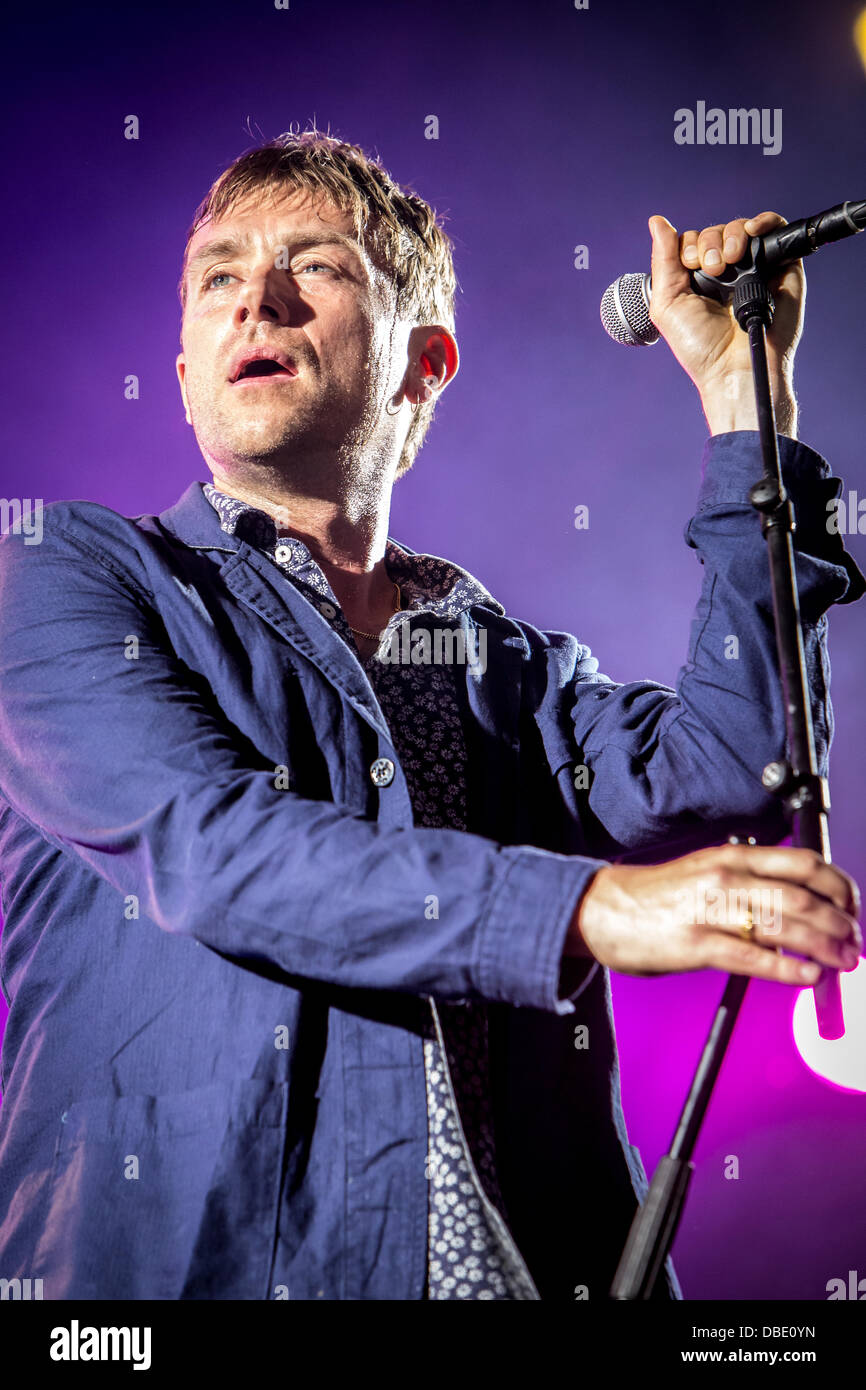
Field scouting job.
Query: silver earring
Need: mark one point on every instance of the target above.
(399, 404)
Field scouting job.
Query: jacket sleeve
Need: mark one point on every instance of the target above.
(673, 766)
(131, 766)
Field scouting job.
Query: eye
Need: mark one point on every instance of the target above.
(316, 265)
(217, 275)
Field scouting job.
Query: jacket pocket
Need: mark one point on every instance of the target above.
(166, 1197)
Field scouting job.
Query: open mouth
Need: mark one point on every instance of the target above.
(261, 368)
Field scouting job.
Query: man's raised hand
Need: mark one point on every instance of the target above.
(705, 337)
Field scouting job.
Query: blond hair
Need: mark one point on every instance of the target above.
(396, 227)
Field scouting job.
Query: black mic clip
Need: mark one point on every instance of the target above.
(743, 283)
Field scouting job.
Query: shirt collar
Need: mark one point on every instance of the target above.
(427, 582)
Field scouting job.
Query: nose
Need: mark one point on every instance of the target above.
(260, 300)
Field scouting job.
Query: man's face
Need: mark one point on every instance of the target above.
(287, 277)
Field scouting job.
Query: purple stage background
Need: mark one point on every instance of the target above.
(555, 130)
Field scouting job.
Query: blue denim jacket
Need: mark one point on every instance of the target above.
(212, 1071)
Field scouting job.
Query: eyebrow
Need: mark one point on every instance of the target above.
(232, 246)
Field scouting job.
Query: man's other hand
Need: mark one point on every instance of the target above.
(690, 914)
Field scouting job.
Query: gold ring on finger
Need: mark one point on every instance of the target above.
(747, 928)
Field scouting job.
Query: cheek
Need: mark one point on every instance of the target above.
(199, 353)
(199, 332)
(355, 322)
(352, 352)
(376, 335)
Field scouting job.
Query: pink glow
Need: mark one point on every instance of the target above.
(841, 1061)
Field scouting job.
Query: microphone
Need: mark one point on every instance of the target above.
(625, 304)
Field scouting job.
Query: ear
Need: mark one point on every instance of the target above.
(433, 352)
(180, 368)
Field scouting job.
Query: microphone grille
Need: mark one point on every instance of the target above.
(625, 311)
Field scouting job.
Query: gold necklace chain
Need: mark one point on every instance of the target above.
(373, 635)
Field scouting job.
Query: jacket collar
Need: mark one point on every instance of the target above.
(194, 521)
(494, 700)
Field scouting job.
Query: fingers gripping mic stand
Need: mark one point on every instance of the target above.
(796, 781)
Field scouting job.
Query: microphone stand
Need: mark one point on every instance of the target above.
(796, 781)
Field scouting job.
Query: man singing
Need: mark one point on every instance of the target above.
(309, 929)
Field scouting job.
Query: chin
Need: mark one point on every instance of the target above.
(259, 441)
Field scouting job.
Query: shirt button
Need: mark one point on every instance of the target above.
(283, 554)
(382, 772)
(328, 609)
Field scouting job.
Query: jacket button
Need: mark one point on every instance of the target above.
(283, 554)
(382, 772)
(328, 609)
